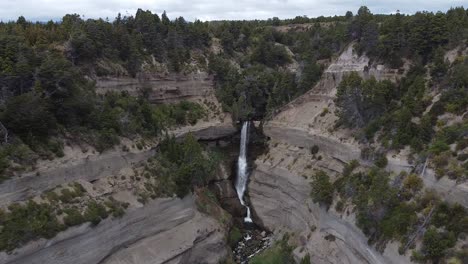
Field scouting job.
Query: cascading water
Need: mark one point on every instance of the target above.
(254, 239)
(242, 174)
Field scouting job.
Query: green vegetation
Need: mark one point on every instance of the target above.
(179, 166)
(396, 209)
(24, 222)
(234, 236)
(43, 70)
(262, 84)
(399, 115)
(279, 253)
(112, 116)
(27, 222)
(435, 244)
(322, 189)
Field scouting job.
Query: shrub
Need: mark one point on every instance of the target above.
(381, 161)
(234, 236)
(435, 243)
(325, 111)
(413, 183)
(106, 139)
(306, 259)
(462, 157)
(314, 149)
(441, 160)
(322, 189)
(27, 222)
(73, 217)
(462, 144)
(339, 206)
(95, 212)
(116, 208)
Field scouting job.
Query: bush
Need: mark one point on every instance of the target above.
(184, 164)
(314, 149)
(306, 259)
(322, 189)
(27, 222)
(95, 212)
(435, 243)
(234, 236)
(339, 206)
(106, 139)
(462, 157)
(73, 217)
(413, 183)
(116, 208)
(381, 161)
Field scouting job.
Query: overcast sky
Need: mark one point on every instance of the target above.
(44, 10)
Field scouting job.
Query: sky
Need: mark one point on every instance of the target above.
(44, 10)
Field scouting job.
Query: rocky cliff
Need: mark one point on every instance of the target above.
(165, 88)
(166, 230)
(163, 231)
(90, 167)
(279, 187)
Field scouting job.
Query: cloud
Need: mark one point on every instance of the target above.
(44, 10)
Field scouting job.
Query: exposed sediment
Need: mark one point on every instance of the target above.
(163, 231)
(281, 201)
(94, 167)
(161, 88)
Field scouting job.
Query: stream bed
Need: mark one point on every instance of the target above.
(253, 242)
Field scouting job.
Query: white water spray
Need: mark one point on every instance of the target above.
(242, 174)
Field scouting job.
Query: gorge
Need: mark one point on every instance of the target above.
(308, 140)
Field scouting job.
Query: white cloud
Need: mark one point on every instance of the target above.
(211, 9)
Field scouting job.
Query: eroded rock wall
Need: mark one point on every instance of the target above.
(279, 187)
(163, 231)
(281, 201)
(167, 88)
(95, 166)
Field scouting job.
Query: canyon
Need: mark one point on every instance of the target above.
(173, 230)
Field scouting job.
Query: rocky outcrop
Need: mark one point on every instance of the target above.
(307, 138)
(222, 186)
(211, 131)
(281, 201)
(163, 231)
(162, 89)
(93, 167)
(88, 169)
(279, 189)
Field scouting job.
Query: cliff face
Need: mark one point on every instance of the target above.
(281, 200)
(162, 88)
(279, 187)
(163, 231)
(91, 167)
(160, 231)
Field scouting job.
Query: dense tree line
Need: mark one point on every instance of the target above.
(391, 38)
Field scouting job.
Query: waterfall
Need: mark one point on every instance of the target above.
(242, 174)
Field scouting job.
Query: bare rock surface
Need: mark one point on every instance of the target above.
(163, 231)
(93, 167)
(281, 200)
(279, 187)
(162, 88)
(88, 169)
